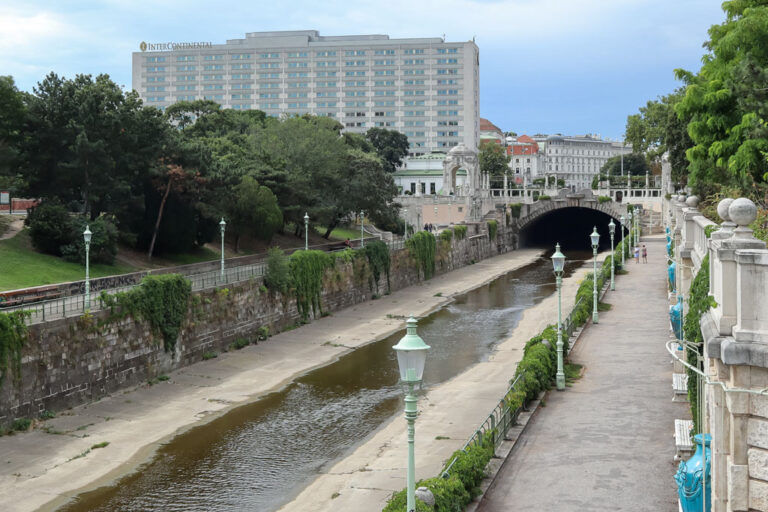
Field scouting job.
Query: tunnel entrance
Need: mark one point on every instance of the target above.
(570, 227)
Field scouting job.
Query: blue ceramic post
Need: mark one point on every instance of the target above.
(693, 477)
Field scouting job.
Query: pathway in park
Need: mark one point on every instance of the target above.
(606, 443)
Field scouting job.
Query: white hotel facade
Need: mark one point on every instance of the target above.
(426, 88)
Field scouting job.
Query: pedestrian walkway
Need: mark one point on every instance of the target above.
(606, 443)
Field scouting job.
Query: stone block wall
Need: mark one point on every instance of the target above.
(71, 361)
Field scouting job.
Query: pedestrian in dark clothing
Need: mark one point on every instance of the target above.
(645, 254)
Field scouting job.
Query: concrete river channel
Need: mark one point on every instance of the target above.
(258, 456)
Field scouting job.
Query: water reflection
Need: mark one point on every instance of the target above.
(258, 456)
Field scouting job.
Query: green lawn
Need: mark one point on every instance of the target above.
(196, 256)
(21, 266)
(340, 233)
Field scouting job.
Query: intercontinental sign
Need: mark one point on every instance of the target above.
(167, 47)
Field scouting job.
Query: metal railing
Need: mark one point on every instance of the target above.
(498, 423)
(74, 305)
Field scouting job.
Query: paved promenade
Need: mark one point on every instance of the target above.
(606, 442)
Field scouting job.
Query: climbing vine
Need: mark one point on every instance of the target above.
(493, 228)
(422, 247)
(460, 232)
(514, 210)
(377, 253)
(13, 336)
(307, 270)
(163, 301)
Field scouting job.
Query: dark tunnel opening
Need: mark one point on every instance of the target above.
(570, 227)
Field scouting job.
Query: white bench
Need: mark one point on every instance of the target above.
(683, 440)
(679, 384)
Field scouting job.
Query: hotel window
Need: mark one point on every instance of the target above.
(414, 82)
(355, 63)
(384, 83)
(447, 50)
(241, 86)
(242, 66)
(413, 72)
(388, 103)
(298, 85)
(326, 54)
(326, 64)
(414, 113)
(326, 104)
(447, 61)
(298, 64)
(268, 65)
(156, 79)
(213, 57)
(213, 67)
(298, 75)
(185, 87)
(155, 59)
(185, 98)
(354, 53)
(297, 54)
(326, 84)
(447, 102)
(326, 94)
(270, 95)
(156, 98)
(326, 73)
(269, 75)
(270, 55)
(297, 95)
(411, 103)
(241, 56)
(185, 68)
(447, 92)
(414, 123)
(449, 123)
(154, 69)
(354, 84)
(388, 62)
(241, 96)
(241, 77)
(414, 51)
(448, 112)
(186, 58)
(383, 93)
(213, 87)
(242, 106)
(213, 77)
(354, 104)
(269, 86)
(413, 62)
(214, 97)
(447, 82)
(385, 72)
(155, 89)
(354, 93)
(414, 93)
(297, 105)
(447, 71)
(384, 52)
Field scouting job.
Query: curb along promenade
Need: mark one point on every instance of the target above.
(606, 442)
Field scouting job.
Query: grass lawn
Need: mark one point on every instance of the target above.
(198, 255)
(21, 266)
(340, 233)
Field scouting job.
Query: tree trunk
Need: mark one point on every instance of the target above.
(159, 218)
(331, 226)
(237, 243)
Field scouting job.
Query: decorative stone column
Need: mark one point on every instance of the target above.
(684, 267)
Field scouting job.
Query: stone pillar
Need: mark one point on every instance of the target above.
(506, 194)
(738, 470)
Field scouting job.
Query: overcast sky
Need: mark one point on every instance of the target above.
(546, 66)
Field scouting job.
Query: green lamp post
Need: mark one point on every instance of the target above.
(558, 262)
(612, 230)
(629, 230)
(306, 231)
(595, 239)
(637, 229)
(87, 238)
(622, 220)
(222, 227)
(411, 356)
(362, 223)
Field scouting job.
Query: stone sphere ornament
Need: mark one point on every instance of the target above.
(742, 211)
(692, 201)
(425, 495)
(722, 209)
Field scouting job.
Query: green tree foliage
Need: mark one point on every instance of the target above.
(253, 209)
(658, 129)
(493, 160)
(13, 336)
(307, 271)
(49, 227)
(184, 113)
(391, 146)
(103, 246)
(278, 274)
(725, 102)
(12, 116)
(634, 163)
(422, 247)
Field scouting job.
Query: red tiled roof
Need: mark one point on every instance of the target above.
(487, 126)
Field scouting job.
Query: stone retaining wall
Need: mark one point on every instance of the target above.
(71, 361)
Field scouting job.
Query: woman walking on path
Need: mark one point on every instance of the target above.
(637, 254)
(645, 254)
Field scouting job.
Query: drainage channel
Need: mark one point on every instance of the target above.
(260, 455)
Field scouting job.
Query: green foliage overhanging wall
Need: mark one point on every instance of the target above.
(514, 210)
(307, 270)
(161, 300)
(13, 335)
(699, 302)
(460, 232)
(493, 228)
(422, 247)
(377, 253)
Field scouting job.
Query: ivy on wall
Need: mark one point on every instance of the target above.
(307, 271)
(514, 210)
(377, 253)
(422, 247)
(13, 336)
(493, 228)
(161, 300)
(460, 232)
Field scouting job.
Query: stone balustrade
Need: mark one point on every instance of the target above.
(735, 332)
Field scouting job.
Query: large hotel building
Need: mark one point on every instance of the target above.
(426, 88)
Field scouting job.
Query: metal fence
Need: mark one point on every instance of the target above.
(74, 305)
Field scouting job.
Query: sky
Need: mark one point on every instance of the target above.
(546, 66)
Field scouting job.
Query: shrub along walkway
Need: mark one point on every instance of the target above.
(606, 442)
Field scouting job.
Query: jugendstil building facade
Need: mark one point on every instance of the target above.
(426, 88)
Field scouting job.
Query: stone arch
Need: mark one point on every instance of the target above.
(461, 157)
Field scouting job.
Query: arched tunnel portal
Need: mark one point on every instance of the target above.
(570, 227)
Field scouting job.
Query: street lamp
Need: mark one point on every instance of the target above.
(595, 239)
(411, 355)
(306, 231)
(629, 230)
(87, 237)
(611, 230)
(435, 214)
(222, 227)
(622, 220)
(362, 222)
(558, 262)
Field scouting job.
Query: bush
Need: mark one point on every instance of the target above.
(604, 199)
(514, 210)
(544, 197)
(103, 247)
(446, 235)
(460, 232)
(50, 227)
(278, 274)
(493, 229)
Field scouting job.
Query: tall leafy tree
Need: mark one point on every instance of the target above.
(635, 164)
(391, 146)
(12, 115)
(493, 160)
(253, 209)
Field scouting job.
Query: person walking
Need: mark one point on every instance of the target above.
(637, 255)
(645, 254)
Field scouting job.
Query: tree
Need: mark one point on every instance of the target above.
(184, 113)
(253, 209)
(12, 115)
(635, 164)
(724, 102)
(493, 160)
(391, 145)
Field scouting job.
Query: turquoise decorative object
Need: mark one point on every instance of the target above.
(693, 477)
(676, 318)
(671, 274)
